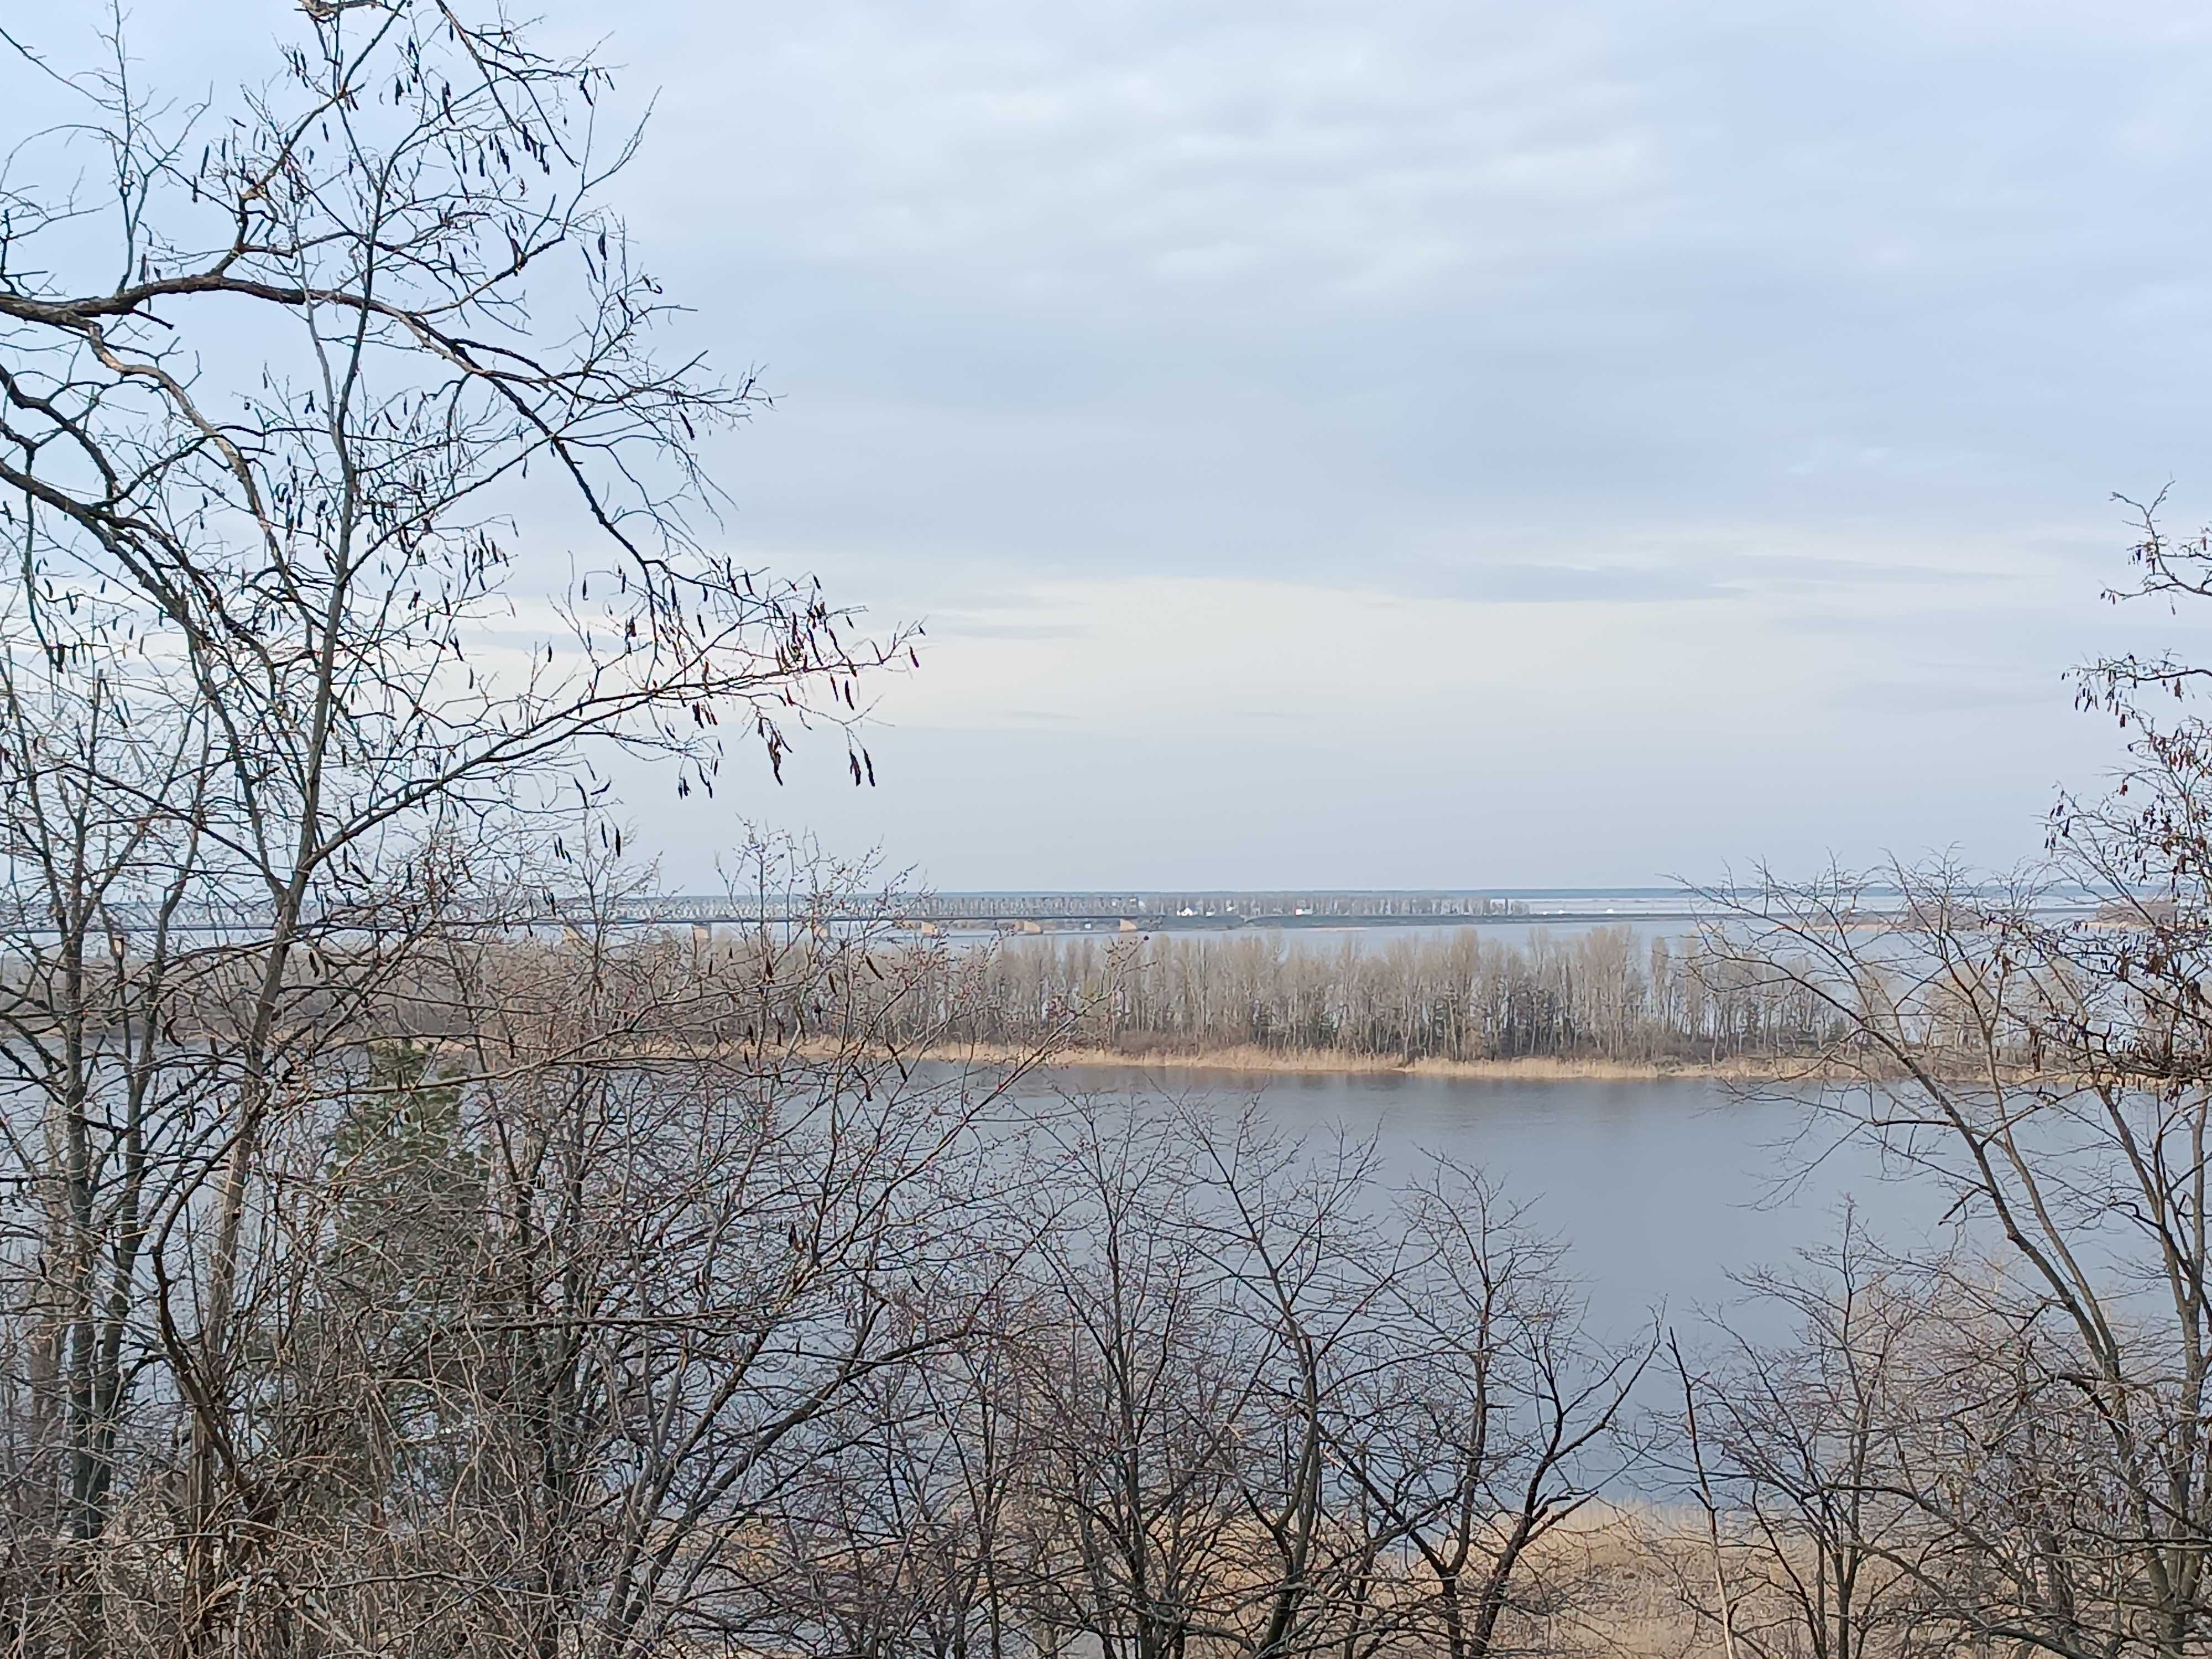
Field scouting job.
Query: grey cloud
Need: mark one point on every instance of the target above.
(1836, 320)
(1966, 688)
(1242, 286)
(1566, 584)
(1695, 576)
(953, 625)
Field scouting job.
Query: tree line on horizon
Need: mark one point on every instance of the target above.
(384, 1277)
(1605, 994)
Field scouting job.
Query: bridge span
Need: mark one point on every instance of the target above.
(1163, 910)
(1023, 912)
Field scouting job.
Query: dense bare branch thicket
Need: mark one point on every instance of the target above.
(397, 1260)
(291, 718)
(2056, 1078)
(1606, 994)
(1234, 1397)
(1797, 1450)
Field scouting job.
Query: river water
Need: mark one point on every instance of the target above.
(1662, 1190)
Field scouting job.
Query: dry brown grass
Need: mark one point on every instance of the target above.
(1252, 1059)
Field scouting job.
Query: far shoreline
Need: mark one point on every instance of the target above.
(1339, 1062)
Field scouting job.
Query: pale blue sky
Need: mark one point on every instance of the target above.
(1407, 442)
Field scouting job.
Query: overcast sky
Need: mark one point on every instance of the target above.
(1397, 443)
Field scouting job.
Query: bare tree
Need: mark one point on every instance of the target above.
(1271, 1408)
(2054, 1076)
(1805, 1448)
(289, 712)
(1140, 1386)
(1594, 995)
(1487, 1417)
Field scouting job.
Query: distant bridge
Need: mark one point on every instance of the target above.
(1144, 910)
(1029, 912)
(1217, 910)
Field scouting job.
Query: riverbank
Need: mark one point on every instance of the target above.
(1338, 1062)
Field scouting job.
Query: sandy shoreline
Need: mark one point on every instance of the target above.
(1326, 1062)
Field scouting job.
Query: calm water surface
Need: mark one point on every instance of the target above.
(1662, 1190)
